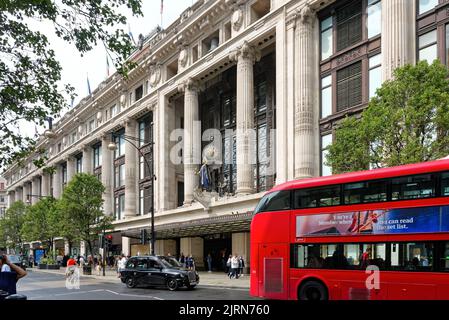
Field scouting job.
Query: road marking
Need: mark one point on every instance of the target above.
(134, 295)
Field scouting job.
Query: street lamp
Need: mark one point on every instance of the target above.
(113, 146)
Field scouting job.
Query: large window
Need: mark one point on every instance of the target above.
(275, 201)
(428, 47)
(145, 134)
(119, 180)
(349, 25)
(365, 191)
(326, 38)
(349, 86)
(79, 164)
(97, 156)
(326, 96)
(374, 22)
(138, 93)
(399, 256)
(326, 141)
(413, 187)
(426, 5)
(119, 206)
(317, 197)
(119, 140)
(375, 74)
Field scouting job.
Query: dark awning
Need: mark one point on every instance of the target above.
(200, 227)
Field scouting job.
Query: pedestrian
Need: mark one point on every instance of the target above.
(234, 267)
(81, 261)
(228, 266)
(241, 265)
(209, 262)
(182, 260)
(121, 264)
(9, 275)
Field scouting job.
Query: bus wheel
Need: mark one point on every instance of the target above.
(312, 290)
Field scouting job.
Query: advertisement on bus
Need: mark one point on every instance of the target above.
(392, 221)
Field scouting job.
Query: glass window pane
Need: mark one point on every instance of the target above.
(426, 5)
(326, 23)
(375, 80)
(375, 60)
(326, 44)
(374, 19)
(326, 102)
(319, 197)
(413, 187)
(445, 184)
(427, 38)
(326, 81)
(326, 141)
(429, 54)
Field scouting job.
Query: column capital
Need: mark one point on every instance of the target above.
(245, 51)
(305, 15)
(189, 84)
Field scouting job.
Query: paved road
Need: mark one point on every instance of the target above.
(45, 286)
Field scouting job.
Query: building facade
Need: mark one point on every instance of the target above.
(252, 89)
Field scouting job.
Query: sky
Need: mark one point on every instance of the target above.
(76, 68)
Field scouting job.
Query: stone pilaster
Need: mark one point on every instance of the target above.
(192, 138)
(71, 168)
(131, 166)
(398, 35)
(107, 174)
(25, 192)
(246, 55)
(57, 181)
(34, 190)
(305, 90)
(45, 184)
(12, 197)
(88, 159)
(18, 194)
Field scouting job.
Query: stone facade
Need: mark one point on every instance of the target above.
(175, 67)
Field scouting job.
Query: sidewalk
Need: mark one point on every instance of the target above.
(214, 279)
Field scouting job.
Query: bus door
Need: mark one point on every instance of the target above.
(273, 263)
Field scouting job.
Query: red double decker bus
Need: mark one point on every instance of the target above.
(315, 238)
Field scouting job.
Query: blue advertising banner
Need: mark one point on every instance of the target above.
(394, 221)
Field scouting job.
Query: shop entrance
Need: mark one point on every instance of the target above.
(220, 247)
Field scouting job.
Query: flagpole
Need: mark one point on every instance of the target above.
(162, 11)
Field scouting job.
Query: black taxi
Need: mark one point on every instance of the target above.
(157, 271)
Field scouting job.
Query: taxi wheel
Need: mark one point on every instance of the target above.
(172, 284)
(130, 282)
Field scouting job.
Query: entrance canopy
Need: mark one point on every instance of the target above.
(228, 223)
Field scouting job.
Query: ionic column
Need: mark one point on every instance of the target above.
(107, 174)
(18, 194)
(305, 90)
(57, 182)
(245, 56)
(71, 168)
(192, 138)
(12, 197)
(45, 185)
(25, 192)
(88, 159)
(398, 35)
(131, 165)
(34, 190)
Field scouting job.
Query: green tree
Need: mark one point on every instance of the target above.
(29, 70)
(11, 225)
(42, 222)
(68, 230)
(82, 202)
(406, 122)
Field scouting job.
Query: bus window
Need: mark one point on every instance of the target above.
(445, 184)
(364, 192)
(413, 187)
(274, 201)
(412, 256)
(319, 197)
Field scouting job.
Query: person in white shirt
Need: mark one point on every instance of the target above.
(121, 264)
(235, 266)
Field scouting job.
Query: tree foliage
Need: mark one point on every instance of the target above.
(11, 225)
(82, 203)
(29, 70)
(42, 222)
(406, 122)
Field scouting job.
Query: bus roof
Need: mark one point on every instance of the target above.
(404, 170)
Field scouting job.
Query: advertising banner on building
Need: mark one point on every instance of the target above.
(392, 221)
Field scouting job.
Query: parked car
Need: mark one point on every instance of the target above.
(17, 260)
(156, 271)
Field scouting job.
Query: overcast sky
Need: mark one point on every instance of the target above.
(93, 64)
